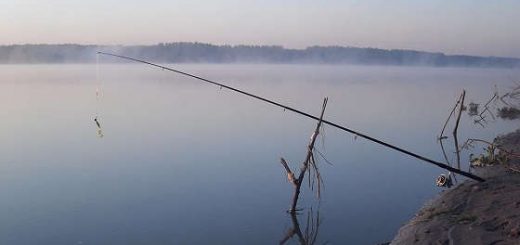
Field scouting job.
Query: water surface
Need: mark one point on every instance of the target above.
(184, 162)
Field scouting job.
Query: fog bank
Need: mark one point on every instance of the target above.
(208, 53)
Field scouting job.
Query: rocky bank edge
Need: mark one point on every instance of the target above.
(473, 213)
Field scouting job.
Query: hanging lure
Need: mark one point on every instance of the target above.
(97, 123)
(99, 130)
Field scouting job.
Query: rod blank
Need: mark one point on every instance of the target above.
(377, 141)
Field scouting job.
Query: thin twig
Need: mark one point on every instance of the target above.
(457, 150)
(290, 174)
(323, 157)
(441, 135)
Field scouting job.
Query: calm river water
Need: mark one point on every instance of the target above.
(182, 162)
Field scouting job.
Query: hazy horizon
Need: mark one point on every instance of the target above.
(260, 45)
(209, 53)
(481, 28)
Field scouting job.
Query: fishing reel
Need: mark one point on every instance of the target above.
(444, 181)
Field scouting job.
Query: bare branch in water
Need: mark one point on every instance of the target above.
(290, 174)
(511, 101)
(442, 137)
(455, 130)
(308, 167)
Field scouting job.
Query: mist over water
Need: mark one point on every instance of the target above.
(183, 162)
(186, 52)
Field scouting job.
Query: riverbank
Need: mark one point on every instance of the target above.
(472, 212)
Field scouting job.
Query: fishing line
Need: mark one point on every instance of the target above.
(362, 135)
(99, 94)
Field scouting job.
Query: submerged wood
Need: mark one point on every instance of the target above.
(359, 134)
(481, 116)
(308, 166)
(455, 130)
(442, 137)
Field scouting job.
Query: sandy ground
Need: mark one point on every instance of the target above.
(473, 213)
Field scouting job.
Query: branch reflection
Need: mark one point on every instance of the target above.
(309, 234)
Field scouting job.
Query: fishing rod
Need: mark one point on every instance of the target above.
(377, 141)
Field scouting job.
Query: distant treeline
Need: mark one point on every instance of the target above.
(208, 53)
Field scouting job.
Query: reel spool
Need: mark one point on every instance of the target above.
(443, 181)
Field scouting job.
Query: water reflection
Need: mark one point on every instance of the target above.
(310, 234)
(61, 184)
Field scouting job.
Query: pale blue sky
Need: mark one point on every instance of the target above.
(480, 27)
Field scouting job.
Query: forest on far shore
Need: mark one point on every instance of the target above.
(184, 52)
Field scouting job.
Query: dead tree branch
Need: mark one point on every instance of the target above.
(443, 137)
(290, 174)
(455, 130)
(308, 167)
(482, 117)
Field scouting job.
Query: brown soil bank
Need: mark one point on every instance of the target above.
(473, 213)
